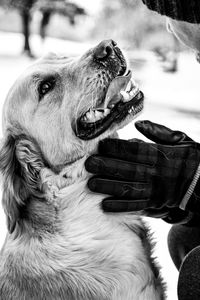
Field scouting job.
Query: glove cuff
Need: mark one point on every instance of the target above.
(194, 186)
(179, 217)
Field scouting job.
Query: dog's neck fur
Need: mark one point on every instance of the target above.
(67, 224)
(53, 183)
(41, 215)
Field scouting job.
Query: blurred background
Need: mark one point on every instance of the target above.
(167, 72)
(127, 21)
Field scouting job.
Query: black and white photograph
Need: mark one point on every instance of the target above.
(99, 150)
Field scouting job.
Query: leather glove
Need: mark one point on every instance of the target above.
(146, 176)
(163, 135)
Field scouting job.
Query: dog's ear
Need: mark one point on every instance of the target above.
(20, 164)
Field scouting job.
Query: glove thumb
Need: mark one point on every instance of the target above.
(161, 134)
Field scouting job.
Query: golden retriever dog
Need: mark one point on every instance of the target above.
(60, 244)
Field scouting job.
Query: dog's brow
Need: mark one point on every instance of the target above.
(44, 76)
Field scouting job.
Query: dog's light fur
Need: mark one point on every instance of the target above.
(61, 245)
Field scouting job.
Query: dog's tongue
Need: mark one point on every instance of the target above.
(113, 93)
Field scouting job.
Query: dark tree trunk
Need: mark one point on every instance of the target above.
(26, 30)
(45, 21)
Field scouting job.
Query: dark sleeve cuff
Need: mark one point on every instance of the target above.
(185, 218)
(178, 216)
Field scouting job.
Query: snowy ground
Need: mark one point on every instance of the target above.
(170, 99)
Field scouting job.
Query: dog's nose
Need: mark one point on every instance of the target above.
(104, 49)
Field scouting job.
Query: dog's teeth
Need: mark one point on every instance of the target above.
(133, 93)
(106, 112)
(125, 96)
(90, 116)
(128, 86)
(98, 115)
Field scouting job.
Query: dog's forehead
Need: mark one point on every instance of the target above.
(53, 64)
(53, 59)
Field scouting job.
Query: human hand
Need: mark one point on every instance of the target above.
(145, 176)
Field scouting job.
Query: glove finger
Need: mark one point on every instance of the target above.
(144, 153)
(111, 167)
(136, 140)
(123, 205)
(124, 189)
(161, 134)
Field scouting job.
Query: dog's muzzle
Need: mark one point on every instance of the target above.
(121, 99)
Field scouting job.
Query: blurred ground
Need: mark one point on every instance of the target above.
(171, 99)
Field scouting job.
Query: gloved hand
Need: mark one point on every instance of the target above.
(147, 176)
(163, 135)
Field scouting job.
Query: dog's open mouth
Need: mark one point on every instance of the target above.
(123, 98)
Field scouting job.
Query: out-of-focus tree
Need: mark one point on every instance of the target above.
(47, 7)
(24, 8)
(65, 8)
(130, 22)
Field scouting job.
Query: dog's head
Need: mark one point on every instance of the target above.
(57, 111)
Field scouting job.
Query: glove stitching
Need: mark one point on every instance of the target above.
(190, 189)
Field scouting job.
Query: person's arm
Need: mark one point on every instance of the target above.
(156, 178)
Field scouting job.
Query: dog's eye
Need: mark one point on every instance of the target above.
(45, 87)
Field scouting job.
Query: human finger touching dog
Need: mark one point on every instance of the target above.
(139, 173)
